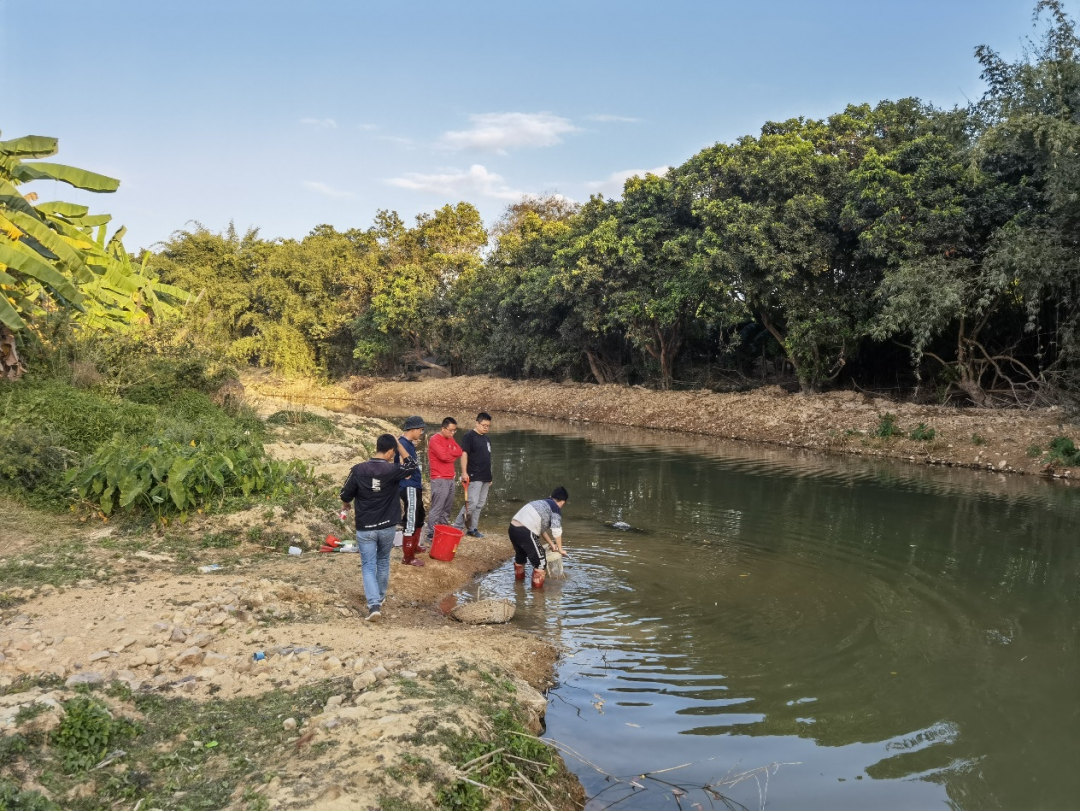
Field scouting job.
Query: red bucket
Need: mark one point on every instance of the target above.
(444, 544)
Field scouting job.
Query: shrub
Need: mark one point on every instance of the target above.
(180, 471)
(976, 439)
(76, 419)
(887, 426)
(1063, 451)
(921, 433)
(87, 731)
(31, 459)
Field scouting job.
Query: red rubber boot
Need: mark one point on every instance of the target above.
(538, 578)
(519, 571)
(408, 549)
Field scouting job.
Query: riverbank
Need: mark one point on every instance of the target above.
(341, 713)
(845, 422)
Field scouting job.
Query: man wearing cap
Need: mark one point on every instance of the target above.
(443, 451)
(412, 494)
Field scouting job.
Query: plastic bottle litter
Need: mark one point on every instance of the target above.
(343, 514)
(258, 656)
(295, 550)
(213, 567)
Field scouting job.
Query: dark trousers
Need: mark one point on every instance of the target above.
(527, 547)
(412, 510)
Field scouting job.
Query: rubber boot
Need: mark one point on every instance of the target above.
(408, 549)
(538, 578)
(519, 571)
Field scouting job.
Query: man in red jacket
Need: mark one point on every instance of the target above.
(443, 451)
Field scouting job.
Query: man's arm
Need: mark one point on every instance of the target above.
(445, 451)
(465, 466)
(348, 492)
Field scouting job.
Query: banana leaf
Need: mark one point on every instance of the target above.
(30, 146)
(91, 220)
(11, 200)
(79, 178)
(63, 209)
(9, 317)
(28, 263)
(67, 255)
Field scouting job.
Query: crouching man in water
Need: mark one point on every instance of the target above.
(531, 523)
(373, 486)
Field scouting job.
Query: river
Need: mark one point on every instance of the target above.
(798, 631)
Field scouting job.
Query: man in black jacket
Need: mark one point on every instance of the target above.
(373, 487)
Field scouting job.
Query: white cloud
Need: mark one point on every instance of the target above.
(614, 119)
(399, 140)
(497, 132)
(328, 191)
(367, 127)
(319, 123)
(477, 180)
(612, 186)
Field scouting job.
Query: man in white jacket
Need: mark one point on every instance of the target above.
(535, 521)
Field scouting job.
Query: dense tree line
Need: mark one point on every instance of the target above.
(899, 242)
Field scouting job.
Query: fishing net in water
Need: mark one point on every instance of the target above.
(554, 565)
(484, 612)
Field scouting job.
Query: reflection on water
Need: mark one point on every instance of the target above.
(896, 636)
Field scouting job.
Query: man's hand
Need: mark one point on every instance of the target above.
(465, 482)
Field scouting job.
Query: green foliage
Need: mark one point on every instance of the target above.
(13, 798)
(11, 747)
(521, 753)
(73, 419)
(887, 426)
(180, 470)
(920, 433)
(1062, 451)
(87, 732)
(54, 256)
(977, 439)
(31, 459)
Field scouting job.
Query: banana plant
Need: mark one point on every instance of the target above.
(56, 255)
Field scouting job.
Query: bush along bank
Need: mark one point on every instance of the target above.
(91, 449)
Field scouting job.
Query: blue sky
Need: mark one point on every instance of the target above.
(285, 115)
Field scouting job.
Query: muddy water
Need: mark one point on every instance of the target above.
(801, 631)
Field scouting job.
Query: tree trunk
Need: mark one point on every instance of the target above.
(11, 367)
(594, 367)
(765, 322)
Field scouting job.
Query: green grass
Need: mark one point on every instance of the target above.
(181, 754)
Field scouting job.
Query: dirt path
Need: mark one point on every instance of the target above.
(110, 605)
(838, 422)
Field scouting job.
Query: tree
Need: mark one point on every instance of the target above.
(51, 258)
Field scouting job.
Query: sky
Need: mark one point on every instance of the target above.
(286, 115)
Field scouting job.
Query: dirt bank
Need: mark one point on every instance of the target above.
(341, 713)
(838, 422)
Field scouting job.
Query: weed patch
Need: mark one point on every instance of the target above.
(203, 752)
(920, 433)
(887, 426)
(1063, 452)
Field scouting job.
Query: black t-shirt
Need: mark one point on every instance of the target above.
(479, 450)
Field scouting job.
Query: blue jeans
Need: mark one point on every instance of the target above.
(375, 546)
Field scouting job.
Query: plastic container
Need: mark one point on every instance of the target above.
(295, 550)
(445, 542)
